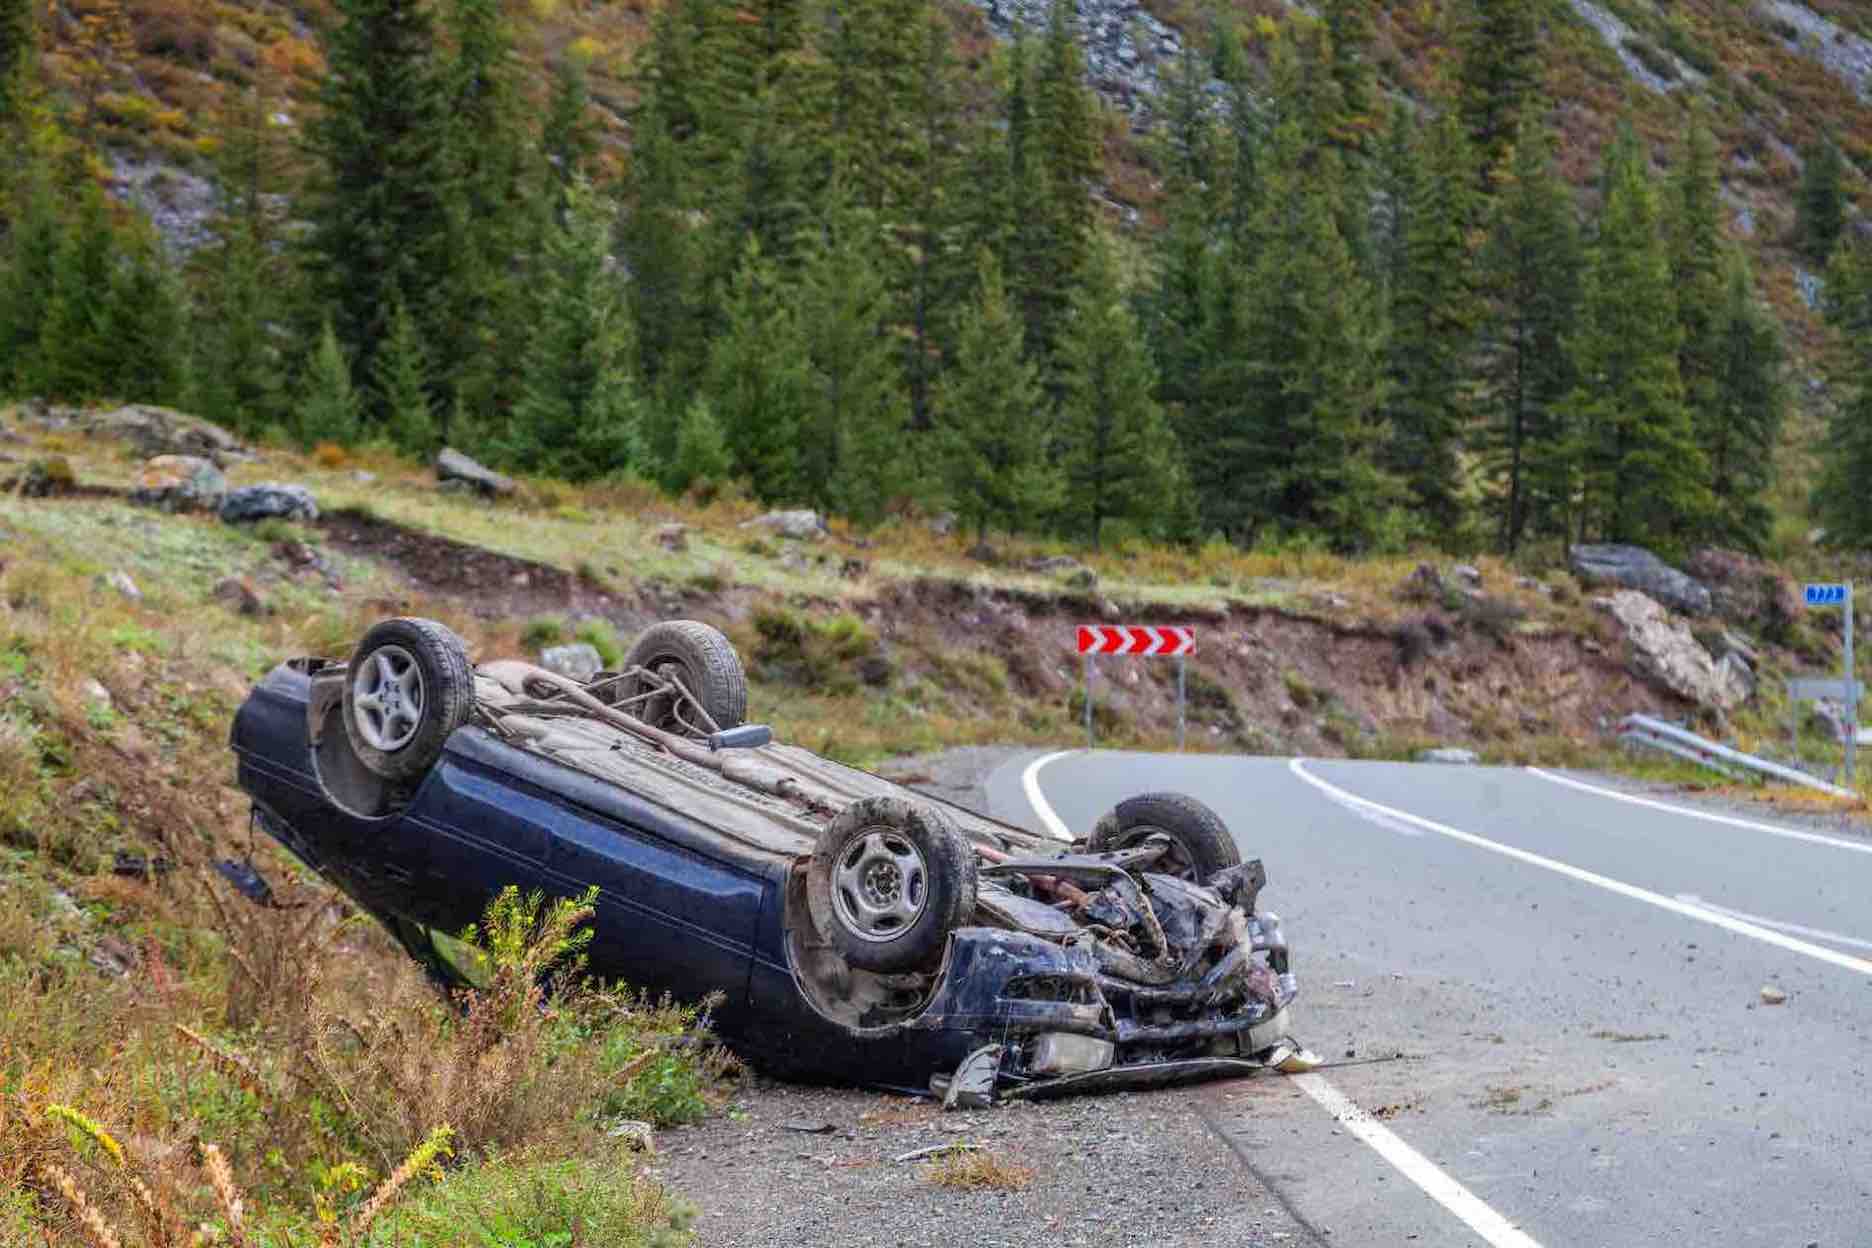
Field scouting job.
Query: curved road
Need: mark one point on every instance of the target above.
(1575, 981)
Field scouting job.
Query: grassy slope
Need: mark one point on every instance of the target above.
(971, 654)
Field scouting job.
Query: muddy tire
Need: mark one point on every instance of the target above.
(706, 664)
(407, 689)
(888, 882)
(1200, 841)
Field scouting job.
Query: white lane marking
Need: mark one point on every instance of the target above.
(1818, 933)
(1702, 914)
(1857, 847)
(1413, 1165)
(1030, 784)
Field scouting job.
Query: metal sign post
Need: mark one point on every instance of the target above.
(1138, 639)
(1840, 594)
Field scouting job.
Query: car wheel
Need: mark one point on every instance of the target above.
(407, 689)
(706, 664)
(1200, 844)
(888, 882)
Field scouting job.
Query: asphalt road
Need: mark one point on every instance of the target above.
(1575, 983)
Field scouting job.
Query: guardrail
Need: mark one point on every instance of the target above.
(1658, 735)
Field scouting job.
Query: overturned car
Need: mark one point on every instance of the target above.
(856, 931)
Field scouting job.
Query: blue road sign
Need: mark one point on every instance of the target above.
(1825, 595)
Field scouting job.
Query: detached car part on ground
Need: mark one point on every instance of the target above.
(857, 931)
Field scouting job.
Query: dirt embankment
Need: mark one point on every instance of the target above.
(1264, 678)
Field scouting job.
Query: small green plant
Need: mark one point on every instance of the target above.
(542, 631)
(604, 639)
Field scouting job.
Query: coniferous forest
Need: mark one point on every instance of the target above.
(844, 267)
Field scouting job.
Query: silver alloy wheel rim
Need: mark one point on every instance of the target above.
(387, 698)
(880, 885)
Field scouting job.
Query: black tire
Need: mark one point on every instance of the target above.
(706, 664)
(1200, 841)
(401, 736)
(888, 882)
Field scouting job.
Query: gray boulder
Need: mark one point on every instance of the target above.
(1634, 567)
(154, 431)
(1665, 652)
(180, 483)
(267, 500)
(578, 661)
(452, 465)
(803, 525)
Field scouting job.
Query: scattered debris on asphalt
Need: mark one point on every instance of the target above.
(1772, 995)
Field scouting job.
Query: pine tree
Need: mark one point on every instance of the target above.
(19, 47)
(1116, 451)
(27, 278)
(701, 453)
(1057, 166)
(491, 215)
(1841, 500)
(247, 285)
(1349, 37)
(1696, 256)
(759, 379)
(1820, 203)
(1399, 180)
(1644, 477)
(991, 417)
(852, 434)
(328, 410)
(579, 414)
(400, 376)
(1290, 445)
(380, 202)
(146, 322)
(1498, 76)
(660, 246)
(1748, 405)
(1434, 316)
(76, 358)
(1531, 271)
(568, 136)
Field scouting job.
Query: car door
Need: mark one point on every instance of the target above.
(467, 834)
(671, 916)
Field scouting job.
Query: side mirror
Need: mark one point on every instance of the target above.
(746, 737)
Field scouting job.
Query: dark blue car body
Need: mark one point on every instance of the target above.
(690, 909)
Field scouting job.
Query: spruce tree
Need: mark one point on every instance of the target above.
(146, 322)
(1058, 164)
(852, 434)
(19, 46)
(328, 410)
(659, 244)
(1399, 180)
(1696, 256)
(1748, 405)
(1115, 448)
(579, 414)
(701, 452)
(76, 359)
(1290, 447)
(1820, 203)
(991, 417)
(382, 188)
(1841, 500)
(568, 136)
(246, 286)
(400, 376)
(27, 279)
(759, 379)
(1434, 317)
(1498, 76)
(1531, 273)
(1349, 36)
(1644, 479)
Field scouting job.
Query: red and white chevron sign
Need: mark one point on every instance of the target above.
(1135, 639)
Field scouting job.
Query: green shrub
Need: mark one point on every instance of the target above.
(542, 631)
(539, 1204)
(604, 639)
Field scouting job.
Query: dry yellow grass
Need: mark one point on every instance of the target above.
(975, 1169)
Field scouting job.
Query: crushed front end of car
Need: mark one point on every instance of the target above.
(1100, 973)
